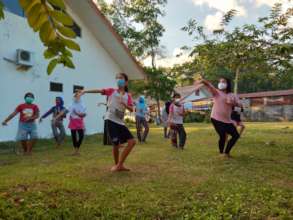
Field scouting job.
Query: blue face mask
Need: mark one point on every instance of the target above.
(121, 83)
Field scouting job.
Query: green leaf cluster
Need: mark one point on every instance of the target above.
(48, 17)
(1, 10)
(54, 25)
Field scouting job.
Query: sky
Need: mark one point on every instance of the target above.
(207, 13)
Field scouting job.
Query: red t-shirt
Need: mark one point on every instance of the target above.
(27, 111)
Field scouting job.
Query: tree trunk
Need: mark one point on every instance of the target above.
(236, 81)
(153, 60)
(159, 109)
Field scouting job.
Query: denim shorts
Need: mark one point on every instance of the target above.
(27, 131)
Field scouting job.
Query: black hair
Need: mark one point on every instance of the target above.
(167, 106)
(229, 84)
(176, 95)
(126, 80)
(29, 94)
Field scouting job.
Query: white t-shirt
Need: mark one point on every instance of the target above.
(175, 112)
(116, 110)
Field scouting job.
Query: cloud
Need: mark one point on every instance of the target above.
(171, 60)
(268, 2)
(213, 22)
(223, 5)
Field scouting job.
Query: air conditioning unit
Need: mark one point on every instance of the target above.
(24, 58)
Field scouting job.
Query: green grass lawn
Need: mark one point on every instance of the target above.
(165, 183)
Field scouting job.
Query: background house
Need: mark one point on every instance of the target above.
(103, 55)
(268, 106)
(259, 106)
(200, 100)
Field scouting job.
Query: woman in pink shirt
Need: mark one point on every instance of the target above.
(77, 113)
(224, 100)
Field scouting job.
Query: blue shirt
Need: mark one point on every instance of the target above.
(141, 110)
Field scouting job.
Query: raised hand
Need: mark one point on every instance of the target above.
(4, 123)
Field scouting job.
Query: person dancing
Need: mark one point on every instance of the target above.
(224, 100)
(118, 101)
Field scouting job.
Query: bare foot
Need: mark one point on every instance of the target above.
(122, 168)
(75, 154)
(118, 168)
(228, 156)
(114, 168)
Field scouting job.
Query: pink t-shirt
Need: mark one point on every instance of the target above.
(222, 107)
(116, 110)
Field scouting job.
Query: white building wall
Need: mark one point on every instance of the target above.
(94, 69)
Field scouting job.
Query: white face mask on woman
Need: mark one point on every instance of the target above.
(222, 86)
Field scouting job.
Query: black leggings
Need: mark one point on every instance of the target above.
(77, 141)
(223, 129)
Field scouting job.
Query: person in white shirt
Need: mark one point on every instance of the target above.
(176, 115)
(118, 101)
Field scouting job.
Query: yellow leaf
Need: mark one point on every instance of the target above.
(57, 3)
(24, 3)
(67, 32)
(62, 18)
(53, 63)
(41, 20)
(34, 14)
(31, 5)
(71, 44)
(47, 33)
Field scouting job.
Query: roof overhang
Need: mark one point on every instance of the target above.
(104, 32)
(193, 93)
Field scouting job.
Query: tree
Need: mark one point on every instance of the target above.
(54, 25)
(137, 22)
(258, 49)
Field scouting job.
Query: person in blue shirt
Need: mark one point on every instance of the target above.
(57, 125)
(141, 111)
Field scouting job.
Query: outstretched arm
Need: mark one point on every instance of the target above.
(210, 87)
(91, 91)
(11, 116)
(47, 114)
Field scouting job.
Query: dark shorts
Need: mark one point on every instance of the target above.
(119, 134)
(235, 116)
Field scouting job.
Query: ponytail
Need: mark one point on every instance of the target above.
(126, 80)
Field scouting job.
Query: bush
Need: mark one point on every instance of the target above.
(195, 117)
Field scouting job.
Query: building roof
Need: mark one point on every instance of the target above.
(189, 90)
(104, 32)
(185, 90)
(267, 94)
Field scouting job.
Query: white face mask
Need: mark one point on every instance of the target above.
(222, 86)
